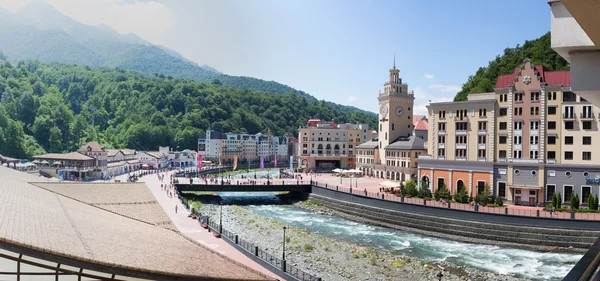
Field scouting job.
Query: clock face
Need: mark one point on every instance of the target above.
(399, 111)
(383, 110)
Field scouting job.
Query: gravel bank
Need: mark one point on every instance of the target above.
(333, 259)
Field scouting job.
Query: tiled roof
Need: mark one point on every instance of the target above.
(417, 118)
(50, 222)
(93, 145)
(116, 164)
(155, 154)
(112, 152)
(412, 142)
(422, 125)
(64, 156)
(128, 151)
(562, 78)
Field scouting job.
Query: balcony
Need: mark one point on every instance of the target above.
(518, 101)
(569, 116)
(586, 116)
(441, 158)
(461, 146)
(482, 132)
(442, 132)
(441, 145)
(460, 132)
(481, 159)
(461, 158)
(481, 146)
(551, 161)
(502, 159)
(461, 119)
(534, 132)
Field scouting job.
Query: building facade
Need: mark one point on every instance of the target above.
(393, 155)
(225, 147)
(324, 146)
(530, 138)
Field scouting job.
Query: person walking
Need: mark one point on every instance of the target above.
(550, 210)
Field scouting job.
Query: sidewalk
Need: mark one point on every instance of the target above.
(192, 229)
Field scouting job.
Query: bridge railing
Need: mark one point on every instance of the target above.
(588, 267)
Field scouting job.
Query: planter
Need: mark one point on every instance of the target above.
(490, 205)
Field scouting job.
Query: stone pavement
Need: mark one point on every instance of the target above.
(192, 229)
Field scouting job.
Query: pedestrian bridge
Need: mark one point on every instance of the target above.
(262, 187)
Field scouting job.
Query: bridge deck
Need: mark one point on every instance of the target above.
(245, 187)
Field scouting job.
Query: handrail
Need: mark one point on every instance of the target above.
(587, 268)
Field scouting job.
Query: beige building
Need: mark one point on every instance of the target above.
(324, 146)
(394, 154)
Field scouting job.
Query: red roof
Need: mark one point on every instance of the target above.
(562, 78)
(417, 118)
(422, 125)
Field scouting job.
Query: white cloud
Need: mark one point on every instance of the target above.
(351, 99)
(150, 20)
(445, 88)
(429, 76)
(423, 98)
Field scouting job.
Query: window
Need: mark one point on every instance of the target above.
(442, 126)
(501, 98)
(502, 189)
(503, 111)
(534, 125)
(585, 193)
(461, 153)
(502, 126)
(482, 112)
(569, 140)
(480, 187)
(518, 154)
(502, 140)
(481, 139)
(533, 140)
(518, 97)
(551, 154)
(587, 112)
(587, 140)
(518, 125)
(569, 125)
(586, 174)
(569, 112)
(518, 111)
(551, 125)
(502, 153)
(518, 140)
(569, 96)
(567, 193)
(552, 110)
(440, 182)
(442, 114)
(441, 139)
(482, 126)
(517, 172)
(441, 152)
(568, 155)
(550, 190)
(481, 153)
(393, 126)
(533, 154)
(535, 97)
(587, 125)
(586, 155)
(461, 139)
(461, 126)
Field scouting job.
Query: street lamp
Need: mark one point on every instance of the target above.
(284, 228)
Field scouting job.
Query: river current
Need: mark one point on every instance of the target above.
(522, 263)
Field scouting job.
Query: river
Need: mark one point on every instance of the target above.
(503, 260)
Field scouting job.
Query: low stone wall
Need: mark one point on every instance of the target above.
(459, 229)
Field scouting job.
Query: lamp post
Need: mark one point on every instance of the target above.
(283, 256)
(221, 216)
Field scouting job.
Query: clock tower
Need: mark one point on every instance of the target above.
(395, 111)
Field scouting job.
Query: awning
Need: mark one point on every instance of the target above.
(525, 187)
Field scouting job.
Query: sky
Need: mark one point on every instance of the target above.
(335, 50)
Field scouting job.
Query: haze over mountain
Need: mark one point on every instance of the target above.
(40, 32)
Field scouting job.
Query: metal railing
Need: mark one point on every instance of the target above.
(588, 267)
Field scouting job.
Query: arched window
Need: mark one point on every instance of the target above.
(328, 146)
(425, 181)
(460, 185)
(336, 147)
(320, 146)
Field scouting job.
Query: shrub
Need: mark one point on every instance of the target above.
(481, 199)
(499, 201)
(410, 188)
(461, 195)
(574, 201)
(590, 202)
(554, 200)
(424, 192)
(441, 192)
(596, 202)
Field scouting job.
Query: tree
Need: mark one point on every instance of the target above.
(558, 201)
(441, 192)
(54, 142)
(424, 192)
(574, 201)
(410, 188)
(554, 200)
(461, 195)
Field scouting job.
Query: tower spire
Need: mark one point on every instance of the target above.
(394, 61)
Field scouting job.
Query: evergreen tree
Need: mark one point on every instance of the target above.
(554, 200)
(558, 201)
(441, 192)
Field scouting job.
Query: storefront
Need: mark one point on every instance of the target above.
(567, 180)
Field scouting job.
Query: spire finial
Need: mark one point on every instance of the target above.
(394, 61)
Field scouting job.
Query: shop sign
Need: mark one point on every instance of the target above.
(592, 181)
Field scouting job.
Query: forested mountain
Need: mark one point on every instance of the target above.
(538, 51)
(39, 32)
(50, 107)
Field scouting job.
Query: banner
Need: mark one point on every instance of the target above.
(275, 160)
(291, 162)
(199, 161)
(262, 162)
(234, 162)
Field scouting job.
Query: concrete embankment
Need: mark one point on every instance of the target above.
(536, 238)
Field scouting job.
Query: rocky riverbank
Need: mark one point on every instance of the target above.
(333, 259)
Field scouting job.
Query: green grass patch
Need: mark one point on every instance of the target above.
(312, 203)
(308, 247)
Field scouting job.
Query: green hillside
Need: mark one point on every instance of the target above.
(50, 107)
(538, 51)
